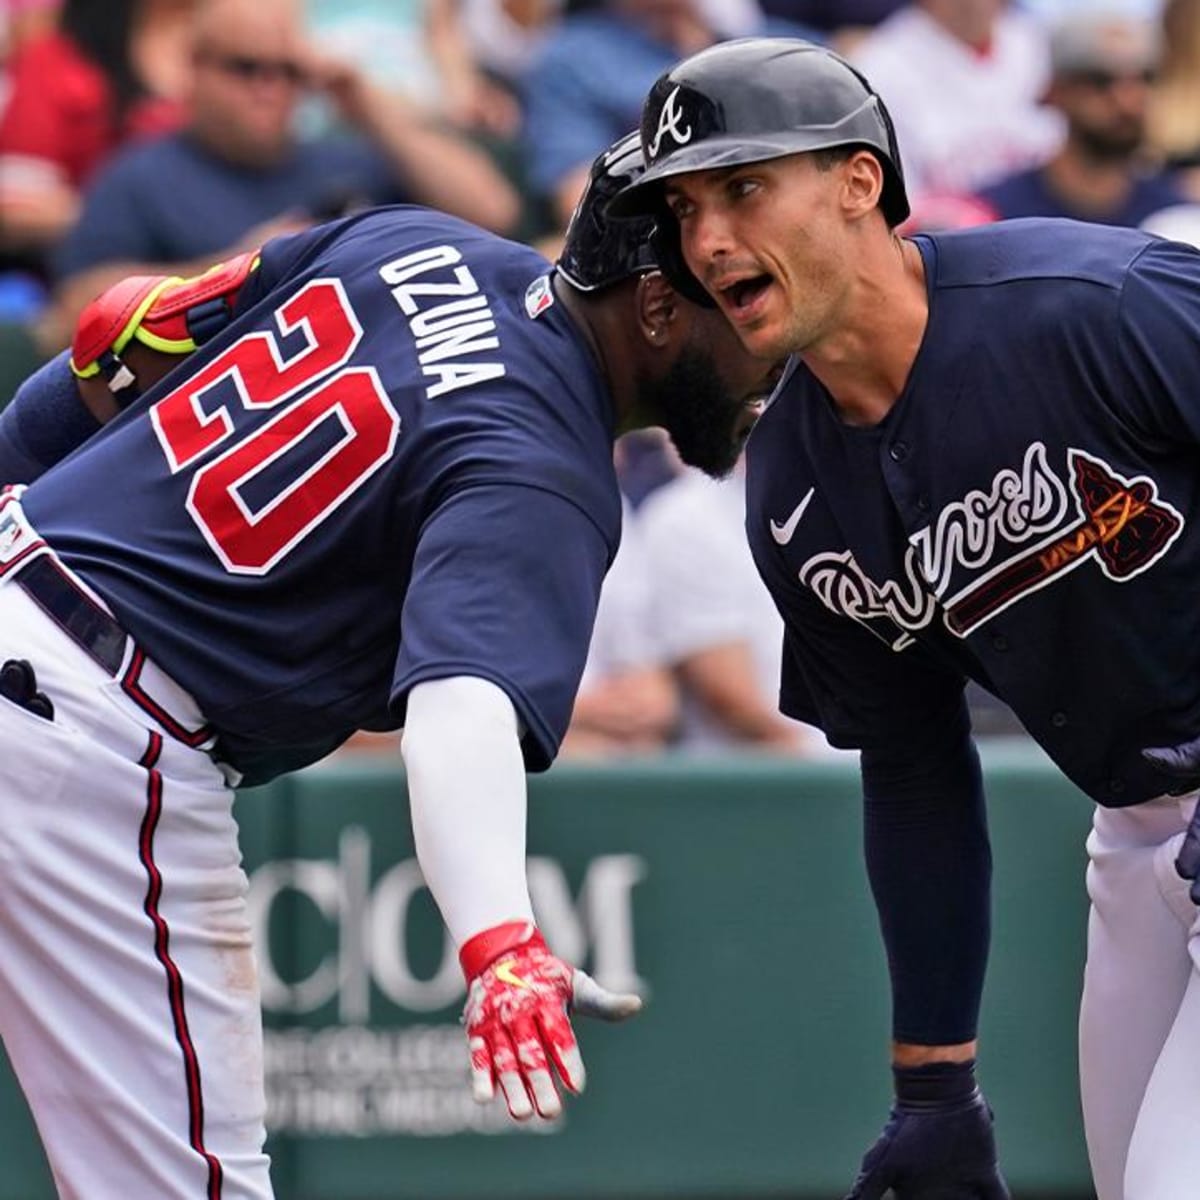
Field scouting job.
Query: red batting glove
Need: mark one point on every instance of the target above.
(518, 999)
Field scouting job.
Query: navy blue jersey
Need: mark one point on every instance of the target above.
(1022, 517)
(396, 464)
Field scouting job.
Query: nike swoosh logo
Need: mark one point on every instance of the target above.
(504, 973)
(783, 533)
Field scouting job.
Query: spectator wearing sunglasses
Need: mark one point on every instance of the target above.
(105, 75)
(1102, 70)
(238, 173)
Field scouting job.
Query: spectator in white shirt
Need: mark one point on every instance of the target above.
(963, 80)
(715, 624)
(627, 702)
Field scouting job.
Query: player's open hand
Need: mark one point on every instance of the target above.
(938, 1142)
(519, 1000)
(1182, 765)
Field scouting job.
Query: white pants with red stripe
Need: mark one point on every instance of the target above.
(1139, 1028)
(129, 1000)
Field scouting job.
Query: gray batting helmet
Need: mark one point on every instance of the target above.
(753, 99)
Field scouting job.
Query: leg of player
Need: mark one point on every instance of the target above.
(1164, 1155)
(1137, 931)
(129, 1002)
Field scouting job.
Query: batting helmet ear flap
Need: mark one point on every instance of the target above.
(668, 253)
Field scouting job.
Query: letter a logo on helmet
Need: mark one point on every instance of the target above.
(669, 120)
(754, 99)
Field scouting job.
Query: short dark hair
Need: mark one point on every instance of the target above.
(830, 157)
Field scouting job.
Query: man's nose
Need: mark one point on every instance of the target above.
(706, 239)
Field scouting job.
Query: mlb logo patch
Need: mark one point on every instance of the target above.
(539, 296)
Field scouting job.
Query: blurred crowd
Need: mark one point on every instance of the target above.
(160, 136)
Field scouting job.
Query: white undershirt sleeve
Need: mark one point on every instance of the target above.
(466, 785)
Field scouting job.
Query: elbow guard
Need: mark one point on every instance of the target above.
(165, 312)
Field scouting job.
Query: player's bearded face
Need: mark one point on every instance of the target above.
(707, 417)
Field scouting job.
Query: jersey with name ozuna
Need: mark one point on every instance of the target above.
(395, 464)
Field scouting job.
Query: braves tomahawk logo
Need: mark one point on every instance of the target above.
(1120, 524)
(670, 119)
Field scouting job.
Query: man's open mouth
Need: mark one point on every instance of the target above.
(742, 296)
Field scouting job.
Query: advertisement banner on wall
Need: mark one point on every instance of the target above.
(730, 895)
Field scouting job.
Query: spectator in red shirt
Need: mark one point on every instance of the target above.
(108, 74)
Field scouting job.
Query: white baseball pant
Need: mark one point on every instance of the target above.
(129, 1000)
(1139, 1025)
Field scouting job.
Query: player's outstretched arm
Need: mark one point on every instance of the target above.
(938, 1142)
(466, 783)
(929, 863)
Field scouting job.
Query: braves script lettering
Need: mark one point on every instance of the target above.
(841, 585)
(1019, 507)
(1096, 516)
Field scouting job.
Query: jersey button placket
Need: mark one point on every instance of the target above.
(898, 451)
(1058, 720)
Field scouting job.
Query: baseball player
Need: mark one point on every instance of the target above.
(380, 493)
(982, 465)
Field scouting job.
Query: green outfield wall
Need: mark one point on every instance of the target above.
(732, 894)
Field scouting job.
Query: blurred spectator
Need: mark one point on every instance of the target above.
(645, 461)
(1179, 223)
(109, 74)
(237, 174)
(483, 49)
(586, 88)
(937, 212)
(715, 623)
(842, 23)
(385, 39)
(627, 701)
(963, 80)
(455, 61)
(1051, 12)
(1102, 68)
(22, 21)
(1174, 124)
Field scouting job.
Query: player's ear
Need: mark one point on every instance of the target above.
(862, 183)
(657, 308)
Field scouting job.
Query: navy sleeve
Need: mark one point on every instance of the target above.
(43, 423)
(925, 831)
(930, 866)
(505, 585)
